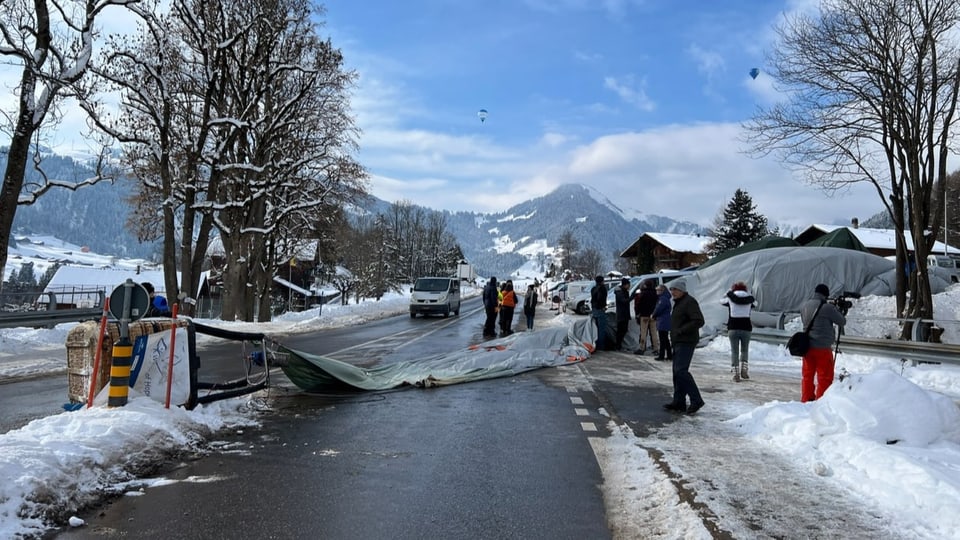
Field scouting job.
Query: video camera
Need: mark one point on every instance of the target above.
(842, 301)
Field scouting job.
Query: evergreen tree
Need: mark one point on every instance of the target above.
(741, 223)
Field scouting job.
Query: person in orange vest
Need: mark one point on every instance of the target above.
(507, 307)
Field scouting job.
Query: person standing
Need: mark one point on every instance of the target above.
(530, 305)
(622, 301)
(508, 305)
(686, 321)
(644, 301)
(598, 310)
(740, 303)
(816, 374)
(158, 303)
(661, 314)
(490, 305)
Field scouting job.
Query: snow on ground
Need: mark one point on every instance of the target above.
(887, 437)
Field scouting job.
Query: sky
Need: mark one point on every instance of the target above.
(642, 100)
(844, 437)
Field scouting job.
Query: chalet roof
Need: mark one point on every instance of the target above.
(679, 243)
(291, 286)
(870, 238)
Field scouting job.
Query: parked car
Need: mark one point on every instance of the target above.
(580, 303)
(576, 292)
(635, 281)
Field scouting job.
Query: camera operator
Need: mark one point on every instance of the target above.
(817, 370)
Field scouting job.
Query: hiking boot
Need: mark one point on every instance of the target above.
(675, 407)
(743, 371)
(736, 374)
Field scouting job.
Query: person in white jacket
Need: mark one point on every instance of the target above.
(739, 328)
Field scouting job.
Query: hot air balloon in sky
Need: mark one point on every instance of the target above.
(754, 72)
(482, 113)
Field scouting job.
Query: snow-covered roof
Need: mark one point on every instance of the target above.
(296, 289)
(84, 277)
(881, 238)
(680, 243)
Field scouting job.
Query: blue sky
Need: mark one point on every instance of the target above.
(642, 100)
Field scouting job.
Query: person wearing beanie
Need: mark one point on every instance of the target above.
(685, 321)
(816, 372)
(740, 303)
(622, 299)
(644, 302)
(598, 303)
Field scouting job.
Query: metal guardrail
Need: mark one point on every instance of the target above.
(48, 319)
(916, 351)
(42, 309)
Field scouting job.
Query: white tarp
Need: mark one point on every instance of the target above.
(503, 357)
(782, 278)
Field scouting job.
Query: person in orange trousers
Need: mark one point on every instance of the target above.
(816, 375)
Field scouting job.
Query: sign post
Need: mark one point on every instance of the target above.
(133, 301)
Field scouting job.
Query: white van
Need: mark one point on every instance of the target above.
(435, 295)
(946, 264)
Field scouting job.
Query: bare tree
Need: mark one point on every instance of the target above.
(870, 93)
(52, 43)
(237, 113)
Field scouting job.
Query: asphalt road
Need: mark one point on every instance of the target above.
(503, 458)
(515, 457)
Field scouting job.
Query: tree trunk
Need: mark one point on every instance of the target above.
(12, 184)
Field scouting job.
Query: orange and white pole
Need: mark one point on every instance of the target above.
(99, 353)
(173, 342)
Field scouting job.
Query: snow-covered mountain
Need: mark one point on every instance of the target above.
(496, 244)
(499, 243)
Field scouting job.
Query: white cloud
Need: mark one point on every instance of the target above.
(630, 92)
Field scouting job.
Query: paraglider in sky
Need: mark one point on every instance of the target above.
(482, 113)
(754, 72)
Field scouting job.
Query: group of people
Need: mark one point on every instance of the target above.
(817, 315)
(671, 319)
(503, 301)
(652, 310)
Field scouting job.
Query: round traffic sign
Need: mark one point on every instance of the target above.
(139, 301)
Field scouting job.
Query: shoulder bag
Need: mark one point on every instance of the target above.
(799, 343)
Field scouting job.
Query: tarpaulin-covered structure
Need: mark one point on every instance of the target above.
(782, 278)
(501, 357)
(766, 242)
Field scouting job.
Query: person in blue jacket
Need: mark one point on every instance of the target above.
(661, 314)
(158, 303)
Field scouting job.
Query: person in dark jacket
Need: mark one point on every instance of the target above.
(686, 321)
(818, 362)
(739, 328)
(661, 314)
(622, 301)
(644, 302)
(490, 305)
(530, 304)
(598, 303)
